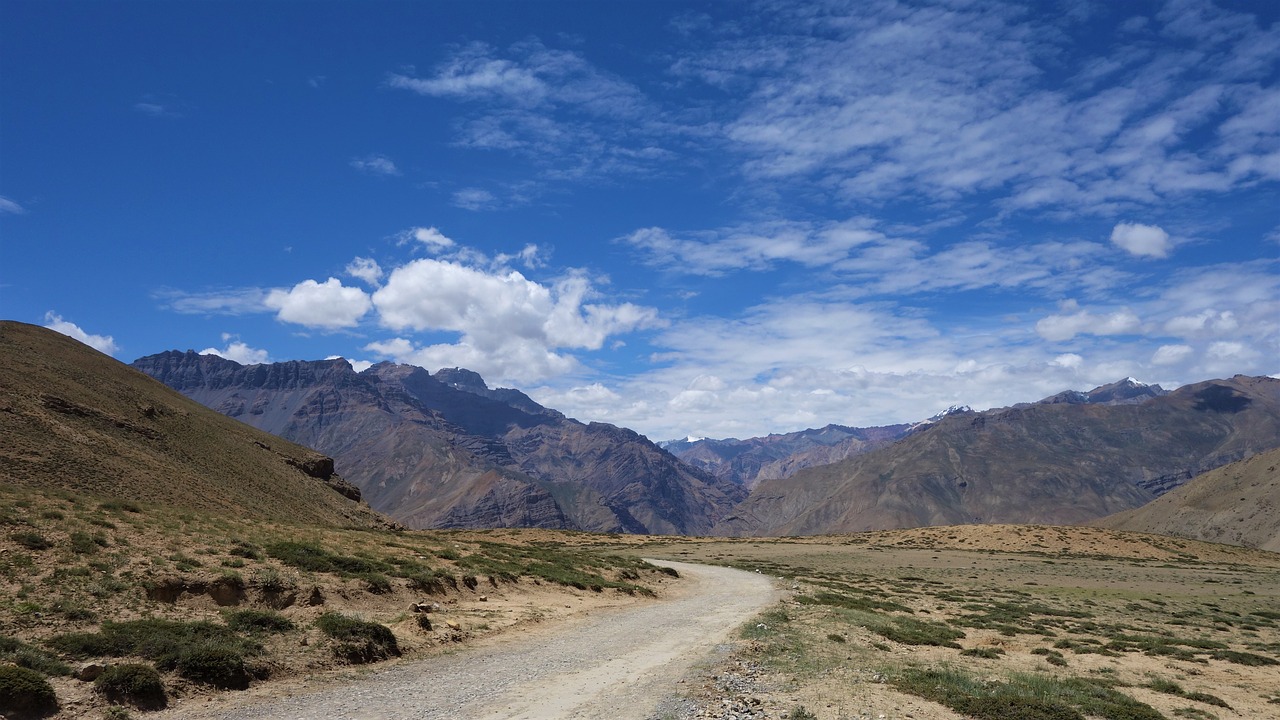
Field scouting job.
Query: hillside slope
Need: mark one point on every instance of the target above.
(72, 418)
(450, 452)
(1049, 463)
(1237, 504)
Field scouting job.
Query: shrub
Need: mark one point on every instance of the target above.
(82, 543)
(217, 664)
(125, 505)
(26, 656)
(986, 653)
(358, 641)
(133, 683)
(200, 651)
(31, 540)
(24, 691)
(259, 621)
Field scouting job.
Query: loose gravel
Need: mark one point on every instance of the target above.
(621, 664)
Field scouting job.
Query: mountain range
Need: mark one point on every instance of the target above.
(445, 450)
(1068, 459)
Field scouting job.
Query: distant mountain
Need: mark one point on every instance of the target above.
(747, 462)
(1238, 504)
(1052, 462)
(448, 451)
(74, 419)
(1125, 392)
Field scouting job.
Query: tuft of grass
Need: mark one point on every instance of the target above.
(1024, 696)
(199, 651)
(133, 684)
(259, 621)
(30, 540)
(910, 631)
(986, 653)
(23, 655)
(358, 641)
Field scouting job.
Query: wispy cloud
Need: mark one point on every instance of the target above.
(9, 207)
(947, 102)
(159, 107)
(375, 165)
(552, 106)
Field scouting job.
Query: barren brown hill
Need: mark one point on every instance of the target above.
(1237, 504)
(72, 418)
(1046, 463)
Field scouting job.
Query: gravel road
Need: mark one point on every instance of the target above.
(620, 664)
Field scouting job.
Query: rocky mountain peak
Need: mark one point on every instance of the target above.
(462, 379)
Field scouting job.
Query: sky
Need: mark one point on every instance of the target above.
(708, 219)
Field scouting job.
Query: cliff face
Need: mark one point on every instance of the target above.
(448, 451)
(1048, 462)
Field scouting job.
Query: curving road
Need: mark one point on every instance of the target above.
(618, 664)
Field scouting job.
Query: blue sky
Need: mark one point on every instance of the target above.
(688, 218)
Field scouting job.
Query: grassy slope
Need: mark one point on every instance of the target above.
(74, 419)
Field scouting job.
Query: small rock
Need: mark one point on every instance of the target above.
(453, 624)
(90, 672)
(484, 598)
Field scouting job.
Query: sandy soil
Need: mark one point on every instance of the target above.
(619, 663)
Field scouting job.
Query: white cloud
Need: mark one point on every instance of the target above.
(1070, 361)
(430, 237)
(474, 199)
(1073, 321)
(1171, 354)
(102, 343)
(357, 365)
(9, 207)
(509, 325)
(1205, 322)
(1141, 240)
(375, 165)
(238, 351)
(234, 301)
(943, 102)
(366, 269)
(327, 305)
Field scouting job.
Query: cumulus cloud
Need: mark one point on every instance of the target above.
(238, 351)
(1141, 240)
(375, 165)
(357, 365)
(430, 237)
(1073, 321)
(328, 305)
(101, 343)
(366, 269)
(507, 323)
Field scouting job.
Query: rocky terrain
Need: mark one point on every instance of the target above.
(447, 451)
(1062, 461)
(1238, 504)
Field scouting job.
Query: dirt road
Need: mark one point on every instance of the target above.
(619, 665)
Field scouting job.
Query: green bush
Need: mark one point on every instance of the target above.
(133, 683)
(259, 621)
(82, 543)
(25, 692)
(217, 664)
(358, 641)
(200, 651)
(23, 655)
(31, 540)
